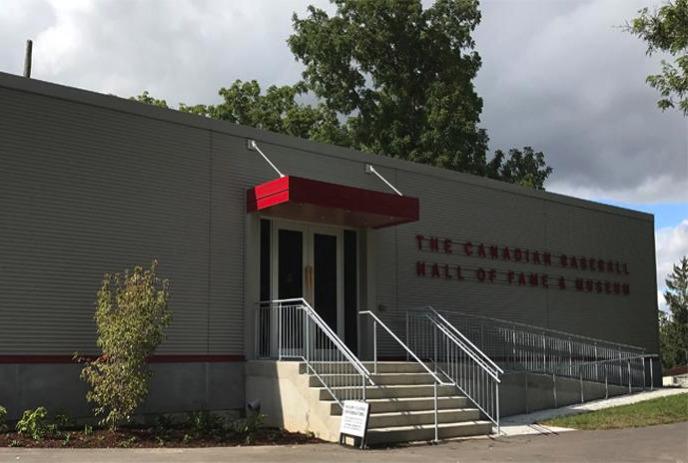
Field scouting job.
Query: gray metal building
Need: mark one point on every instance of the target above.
(91, 183)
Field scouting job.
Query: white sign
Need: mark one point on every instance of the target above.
(354, 418)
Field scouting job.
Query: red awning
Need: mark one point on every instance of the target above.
(314, 201)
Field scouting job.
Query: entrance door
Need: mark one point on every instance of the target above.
(309, 264)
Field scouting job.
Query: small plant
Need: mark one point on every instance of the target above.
(64, 421)
(34, 423)
(249, 426)
(88, 430)
(186, 439)
(128, 442)
(14, 443)
(67, 439)
(131, 319)
(203, 423)
(3, 419)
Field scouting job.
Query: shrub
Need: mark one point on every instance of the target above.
(131, 318)
(204, 424)
(3, 419)
(249, 426)
(34, 423)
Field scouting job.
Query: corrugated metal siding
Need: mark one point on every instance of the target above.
(84, 191)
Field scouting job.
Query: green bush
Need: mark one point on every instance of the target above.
(249, 426)
(204, 424)
(3, 419)
(34, 423)
(131, 318)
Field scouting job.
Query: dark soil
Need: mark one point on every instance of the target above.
(151, 437)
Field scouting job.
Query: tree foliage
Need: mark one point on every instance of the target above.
(673, 326)
(389, 77)
(131, 318)
(665, 30)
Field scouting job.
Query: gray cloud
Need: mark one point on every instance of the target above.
(556, 75)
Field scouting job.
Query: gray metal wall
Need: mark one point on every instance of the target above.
(91, 184)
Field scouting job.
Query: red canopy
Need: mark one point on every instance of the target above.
(314, 201)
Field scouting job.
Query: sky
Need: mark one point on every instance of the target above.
(558, 75)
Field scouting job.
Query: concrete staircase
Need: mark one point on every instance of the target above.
(402, 404)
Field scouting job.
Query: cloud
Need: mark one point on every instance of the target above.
(564, 78)
(671, 245)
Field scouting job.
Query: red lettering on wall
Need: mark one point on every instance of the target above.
(563, 260)
(573, 262)
(518, 254)
(562, 283)
(510, 276)
(533, 278)
(419, 240)
(625, 269)
(589, 285)
(579, 284)
(598, 286)
(491, 275)
(591, 263)
(420, 269)
(547, 258)
(447, 275)
(459, 276)
(480, 274)
(607, 287)
(468, 248)
(506, 254)
(481, 250)
(434, 244)
(625, 289)
(448, 246)
(536, 257)
(544, 281)
(435, 271)
(494, 252)
(521, 279)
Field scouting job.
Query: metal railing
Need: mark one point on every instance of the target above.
(521, 347)
(292, 329)
(454, 356)
(437, 380)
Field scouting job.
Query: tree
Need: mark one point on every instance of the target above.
(674, 325)
(401, 75)
(390, 78)
(131, 318)
(145, 97)
(666, 30)
(526, 168)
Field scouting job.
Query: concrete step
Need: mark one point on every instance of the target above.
(426, 432)
(408, 418)
(408, 404)
(390, 392)
(325, 368)
(379, 379)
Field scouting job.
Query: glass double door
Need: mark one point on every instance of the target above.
(308, 263)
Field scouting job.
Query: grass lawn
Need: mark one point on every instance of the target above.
(664, 410)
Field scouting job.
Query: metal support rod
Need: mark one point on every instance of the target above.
(28, 58)
(652, 379)
(369, 169)
(437, 434)
(374, 347)
(581, 386)
(644, 377)
(252, 145)
(629, 377)
(497, 405)
(554, 389)
(606, 385)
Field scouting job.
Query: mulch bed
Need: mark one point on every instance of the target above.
(150, 437)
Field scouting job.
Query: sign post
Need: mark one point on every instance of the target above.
(354, 422)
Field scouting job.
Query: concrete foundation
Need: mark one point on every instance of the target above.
(174, 388)
(522, 392)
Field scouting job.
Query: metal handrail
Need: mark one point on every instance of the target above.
(337, 358)
(545, 330)
(478, 381)
(403, 345)
(476, 349)
(437, 379)
(360, 367)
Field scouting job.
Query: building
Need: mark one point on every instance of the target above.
(92, 183)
